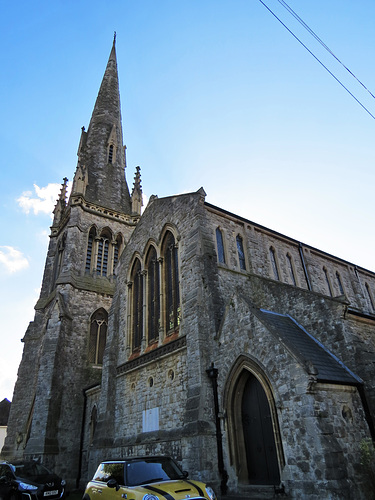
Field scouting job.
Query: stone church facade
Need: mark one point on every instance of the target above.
(190, 331)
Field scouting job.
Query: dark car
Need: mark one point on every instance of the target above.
(29, 480)
(144, 478)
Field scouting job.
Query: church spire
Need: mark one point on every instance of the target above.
(101, 154)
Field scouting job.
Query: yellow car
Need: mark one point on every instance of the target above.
(144, 478)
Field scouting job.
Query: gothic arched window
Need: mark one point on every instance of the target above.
(220, 246)
(90, 250)
(274, 264)
(339, 283)
(103, 245)
(171, 283)
(369, 295)
(241, 253)
(291, 269)
(137, 304)
(98, 336)
(328, 281)
(153, 295)
(116, 251)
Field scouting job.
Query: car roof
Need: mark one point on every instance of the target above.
(140, 457)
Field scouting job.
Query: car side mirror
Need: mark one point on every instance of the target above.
(112, 483)
(185, 474)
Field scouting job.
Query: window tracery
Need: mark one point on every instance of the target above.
(154, 295)
(102, 252)
(98, 336)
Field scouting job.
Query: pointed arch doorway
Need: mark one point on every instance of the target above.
(253, 429)
(259, 438)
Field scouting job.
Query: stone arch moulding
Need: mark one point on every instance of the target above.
(242, 369)
(151, 243)
(172, 229)
(136, 256)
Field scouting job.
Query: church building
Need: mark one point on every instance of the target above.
(190, 331)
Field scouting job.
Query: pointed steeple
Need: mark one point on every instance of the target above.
(101, 153)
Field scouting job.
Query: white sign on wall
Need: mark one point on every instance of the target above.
(150, 420)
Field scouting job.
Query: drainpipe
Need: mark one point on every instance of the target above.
(212, 373)
(78, 480)
(304, 267)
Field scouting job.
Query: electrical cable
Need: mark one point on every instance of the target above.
(317, 59)
(302, 22)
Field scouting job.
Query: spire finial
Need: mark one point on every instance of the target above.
(114, 37)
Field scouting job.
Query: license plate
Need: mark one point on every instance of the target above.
(51, 493)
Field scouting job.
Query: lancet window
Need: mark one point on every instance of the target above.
(171, 282)
(240, 252)
(220, 246)
(274, 264)
(153, 295)
(328, 281)
(369, 296)
(137, 304)
(98, 336)
(339, 283)
(291, 269)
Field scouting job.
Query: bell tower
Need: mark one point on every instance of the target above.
(64, 344)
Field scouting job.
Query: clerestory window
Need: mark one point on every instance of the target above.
(328, 282)
(339, 283)
(240, 252)
(220, 246)
(291, 269)
(369, 296)
(274, 263)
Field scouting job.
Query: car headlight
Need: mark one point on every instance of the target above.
(25, 486)
(149, 496)
(210, 493)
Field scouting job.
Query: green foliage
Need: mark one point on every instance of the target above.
(368, 460)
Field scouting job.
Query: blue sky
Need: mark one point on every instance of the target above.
(214, 93)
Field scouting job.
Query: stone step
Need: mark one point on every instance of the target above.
(256, 493)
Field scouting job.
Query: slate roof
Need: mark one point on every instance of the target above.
(318, 360)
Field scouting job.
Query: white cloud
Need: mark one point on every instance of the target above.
(44, 201)
(13, 260)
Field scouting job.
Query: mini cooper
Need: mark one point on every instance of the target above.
(144, 478)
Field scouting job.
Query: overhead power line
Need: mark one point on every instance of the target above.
(302, 22)
(314, 56)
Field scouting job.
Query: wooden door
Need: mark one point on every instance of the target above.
(261, 455)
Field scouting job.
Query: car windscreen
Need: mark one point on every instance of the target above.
(151, 470)
(30, 470)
